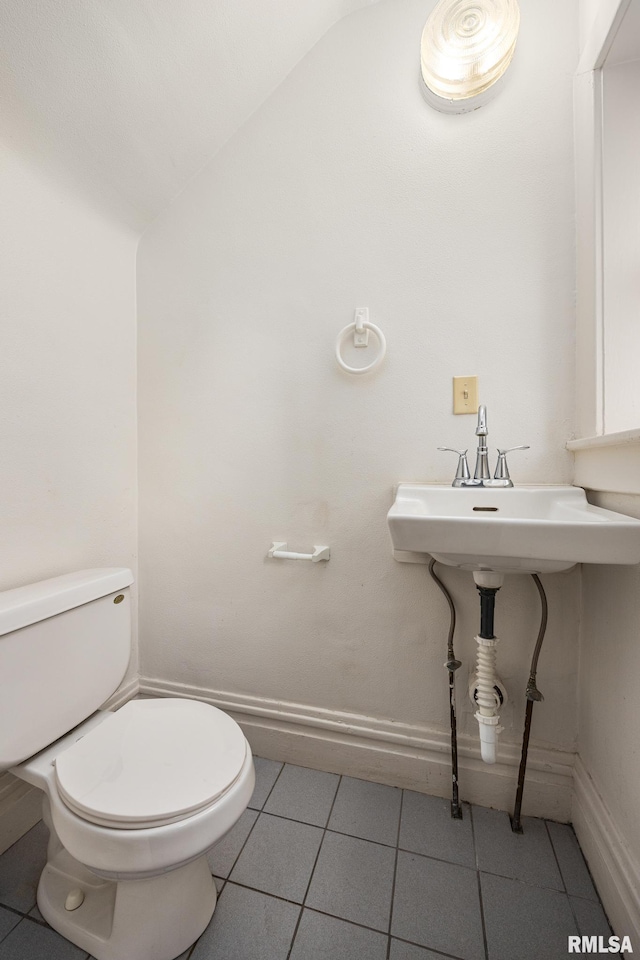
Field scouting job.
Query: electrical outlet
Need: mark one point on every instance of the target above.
(465, 394)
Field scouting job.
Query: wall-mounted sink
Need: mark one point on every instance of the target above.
(526, 529)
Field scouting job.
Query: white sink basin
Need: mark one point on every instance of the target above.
(524, 529)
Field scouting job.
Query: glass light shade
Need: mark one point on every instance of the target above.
(467, 46)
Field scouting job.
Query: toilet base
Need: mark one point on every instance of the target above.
(153, 919)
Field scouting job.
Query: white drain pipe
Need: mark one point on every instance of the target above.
(487, 714)
(486, 678)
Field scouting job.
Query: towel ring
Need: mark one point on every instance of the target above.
(358, 328)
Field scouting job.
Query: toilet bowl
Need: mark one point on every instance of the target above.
(134, 798)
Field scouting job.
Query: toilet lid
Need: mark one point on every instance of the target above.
(152, 762)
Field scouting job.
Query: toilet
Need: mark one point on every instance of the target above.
(133, 798)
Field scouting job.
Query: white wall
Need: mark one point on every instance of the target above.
(621, 244)
(346, 190)
(132, 99)
(605, 809)
(609, 672)
(67, 485)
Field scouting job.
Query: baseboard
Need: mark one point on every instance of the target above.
(21, 804)
(126, 692)
(614, 870)
(387, 751)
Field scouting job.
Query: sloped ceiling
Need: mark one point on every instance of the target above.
(133, 97)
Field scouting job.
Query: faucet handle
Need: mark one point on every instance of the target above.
(502, 470)
(462, 473)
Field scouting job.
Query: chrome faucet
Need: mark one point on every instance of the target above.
(482, 458)
(482, 474)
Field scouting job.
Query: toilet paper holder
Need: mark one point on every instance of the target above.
(279, 551)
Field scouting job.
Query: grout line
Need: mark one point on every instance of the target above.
(313, 869)
(246, 840)
(482, 919)
(395, 872)
(476, 858)
(588, 869)
(41, 923)
(353, 836)
(19, 913)
(259, 813)
(555, 857)
(566, 892)
(323, 913)
(585, 865)
(273, 786)
(436, 953)
(352, 923)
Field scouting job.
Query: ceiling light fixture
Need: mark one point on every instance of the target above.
(466, 48)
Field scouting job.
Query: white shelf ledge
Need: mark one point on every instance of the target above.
(605, 440)
(609, 463)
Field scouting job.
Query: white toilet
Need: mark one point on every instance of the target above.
(134, 798)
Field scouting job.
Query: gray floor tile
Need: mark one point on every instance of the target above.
(183, 956)
(35, 913)
(20, 869)
(8, 921)
(226, 851)
(219, 882)
(408, 951)
(266, 775)
(302, 794)
(278, 857)
(33, 941)
(527, 856)
(437, 905)
(353, 880)
(367, 810)
(248, 925)
(525, 922)
(592, 920)
(326, 938)
(428, 828)
(572, 864)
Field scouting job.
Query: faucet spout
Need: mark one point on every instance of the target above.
(482, 472)
(481, 429)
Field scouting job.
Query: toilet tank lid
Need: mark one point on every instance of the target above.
(38, 601)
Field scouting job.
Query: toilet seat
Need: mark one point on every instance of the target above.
(153, 762)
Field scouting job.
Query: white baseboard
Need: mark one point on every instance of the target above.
(21, 804)
(615, 872)
(387, 751)
(126, 692)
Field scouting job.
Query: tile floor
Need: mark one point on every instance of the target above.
(322, 867)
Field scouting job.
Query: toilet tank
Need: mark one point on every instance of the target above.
(64, 648)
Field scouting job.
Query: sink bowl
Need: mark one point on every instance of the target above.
(524, 529)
